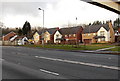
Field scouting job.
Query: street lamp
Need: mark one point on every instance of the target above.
(43, 26)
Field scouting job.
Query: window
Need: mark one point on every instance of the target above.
(94, 33)
(89, 34)
(102, 33)
(46, 36)
(70, 35)
(36, 37)
(65, 35)
(102, 39)
(74, 35)
(57, 35)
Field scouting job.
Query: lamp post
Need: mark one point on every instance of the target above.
(43, 26)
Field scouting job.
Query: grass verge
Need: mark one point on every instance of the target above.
(77, 47)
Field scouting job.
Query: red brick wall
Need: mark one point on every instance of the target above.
(78, 36)
(8, 36)
(119, 29)
(51, 38)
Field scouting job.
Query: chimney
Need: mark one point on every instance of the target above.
(119, 29)
(112, 33)
(57, 28)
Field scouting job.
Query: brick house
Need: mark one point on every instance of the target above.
(103, 33)
(71, 35)
(8, 36)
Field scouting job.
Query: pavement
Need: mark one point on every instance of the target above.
(31, 63)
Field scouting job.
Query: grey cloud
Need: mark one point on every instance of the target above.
(23, 8)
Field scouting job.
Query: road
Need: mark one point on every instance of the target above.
(31, 63)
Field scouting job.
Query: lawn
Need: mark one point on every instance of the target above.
(77, 47)
(117, 48)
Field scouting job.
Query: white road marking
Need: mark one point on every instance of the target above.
(82, 63)
(109, 58)
(49, 72)
(1, 59)
(36, 56)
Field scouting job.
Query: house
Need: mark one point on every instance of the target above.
(7, 39)
(21, 40)
(37, 37)
(117, 35)
(57, 37)
(71, 35)
(103, 33)
(8, 36)
(13, 38)
(49, 35)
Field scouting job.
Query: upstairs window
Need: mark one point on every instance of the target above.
(57, 35)
(66, 36)
(102, 33)
(74, 35)
(94, 33)
(70, 35)
(89, 34)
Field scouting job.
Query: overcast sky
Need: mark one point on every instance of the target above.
(58, 13)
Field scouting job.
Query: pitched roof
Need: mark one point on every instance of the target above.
(10, 33)
(19, 37)
(95, 28)
(70, 30)
(39, 32)
(52, 30)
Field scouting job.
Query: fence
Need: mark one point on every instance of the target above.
(9, 43)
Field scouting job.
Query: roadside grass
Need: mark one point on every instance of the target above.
(77, 47)
(117, 48)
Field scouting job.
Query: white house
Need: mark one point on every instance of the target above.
(21, 40)
(117, 36)
(117, 33)
(103, 32)
(57, 36)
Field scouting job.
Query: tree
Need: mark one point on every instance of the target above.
(19, 32)
(103, 22)
(116, 23)
(89, 24)
(97, 23)
(26, 29)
